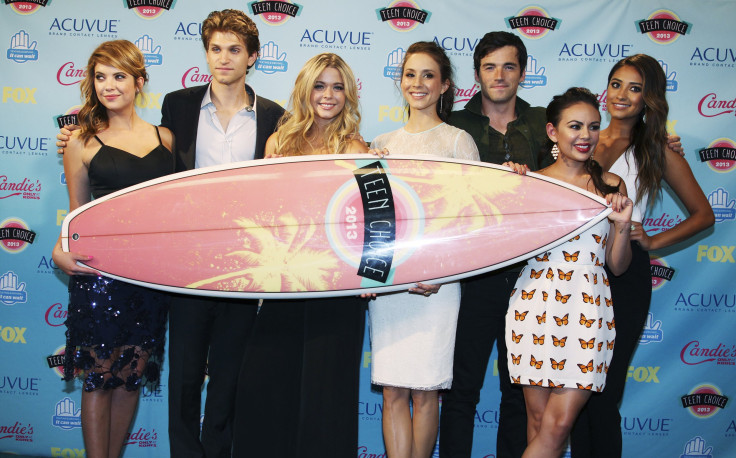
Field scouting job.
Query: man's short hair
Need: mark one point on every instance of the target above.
(234, 21)
(496, 40)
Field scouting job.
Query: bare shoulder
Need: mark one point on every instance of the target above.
(614, 180)
(167, 137)
(356, 146)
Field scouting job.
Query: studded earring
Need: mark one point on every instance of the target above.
(555, 151)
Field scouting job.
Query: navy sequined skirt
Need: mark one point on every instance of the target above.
(116, 322)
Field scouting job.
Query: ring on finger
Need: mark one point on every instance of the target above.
(633, 227)
(427, 293)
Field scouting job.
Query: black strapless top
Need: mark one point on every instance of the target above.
(112, 169)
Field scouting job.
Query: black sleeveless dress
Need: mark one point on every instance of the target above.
(109, 319)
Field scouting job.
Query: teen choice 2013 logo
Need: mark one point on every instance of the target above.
(663, 27)
(403, 15)
(533, 22)
(275, 12)
(720, 155)
(150, 9)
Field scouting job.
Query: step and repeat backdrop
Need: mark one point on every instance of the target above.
(679, 392)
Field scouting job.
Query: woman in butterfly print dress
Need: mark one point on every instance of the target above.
(633, 146)
(560, 326)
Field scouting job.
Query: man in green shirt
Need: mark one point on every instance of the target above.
(505, 128)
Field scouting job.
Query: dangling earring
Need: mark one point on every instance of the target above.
(441, 97)
(555, 151)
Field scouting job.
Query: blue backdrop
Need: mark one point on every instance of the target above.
(681, 378)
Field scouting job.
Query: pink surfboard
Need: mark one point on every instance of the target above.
(325, 225)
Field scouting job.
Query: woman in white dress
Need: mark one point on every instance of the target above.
(413, 333)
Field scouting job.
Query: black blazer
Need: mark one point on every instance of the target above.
(180, 114)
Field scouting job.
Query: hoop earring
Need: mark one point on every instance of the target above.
(555, 151)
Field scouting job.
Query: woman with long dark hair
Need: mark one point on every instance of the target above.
(634, 146)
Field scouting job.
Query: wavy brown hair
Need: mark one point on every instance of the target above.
(295, 125)
(120, 54)
(649, 135)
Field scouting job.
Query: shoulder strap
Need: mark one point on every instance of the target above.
(158, 134)
(98, 139)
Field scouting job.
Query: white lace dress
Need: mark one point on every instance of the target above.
(412, 336)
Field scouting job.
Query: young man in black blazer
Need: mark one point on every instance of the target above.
(217, 123)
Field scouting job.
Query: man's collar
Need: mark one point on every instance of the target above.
(207, 99)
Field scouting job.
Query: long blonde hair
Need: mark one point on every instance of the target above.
(295, 125)
(120, 54)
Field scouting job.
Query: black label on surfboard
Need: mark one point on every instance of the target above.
(379, 215)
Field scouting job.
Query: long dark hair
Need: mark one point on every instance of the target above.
(555, 108)
(649, 135)
(433, 50)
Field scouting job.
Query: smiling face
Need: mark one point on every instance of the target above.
(328, 95)
(228, 59)
(115, 89)
(577, 131)
(499, 75)
(421, 82)
(625, 96)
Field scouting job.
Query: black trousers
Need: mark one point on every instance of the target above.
(481, 321)
(298, 390)
(204, 332)
(597, 432)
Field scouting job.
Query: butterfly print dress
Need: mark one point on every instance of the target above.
(560, 329)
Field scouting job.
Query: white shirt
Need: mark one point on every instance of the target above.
(215, 146)
(625, 167)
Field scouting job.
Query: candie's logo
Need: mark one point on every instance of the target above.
(403, 15)
(275, 12)
(149, 9)
(464, 94)
(720, 155)
(56, 315)
(26, 6)
(663, 27)
(660, 271)
(660, 223)
(533, 22)
(69, 74)
(15, 235)
(20, 432)
(141, 438)
(25, 188)
(704, 401)
(712, 105)
(194, 76)
(694, 353)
